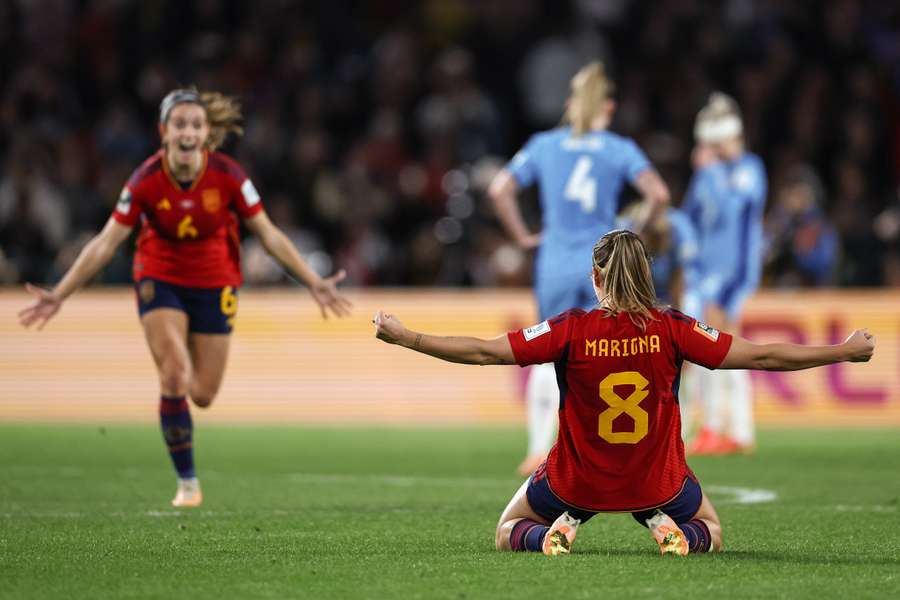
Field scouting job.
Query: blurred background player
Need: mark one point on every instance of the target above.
(580, 169)
(802, 246)
(188, 198)
(628, 345)
(725, 202)
(670, 239)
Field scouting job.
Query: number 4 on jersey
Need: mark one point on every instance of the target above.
(581, 187)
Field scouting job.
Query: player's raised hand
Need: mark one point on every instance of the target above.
(860, 346)
(326, 295)
(388, 328)
(42, 309)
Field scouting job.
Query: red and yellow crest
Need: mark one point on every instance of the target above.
(211, 200)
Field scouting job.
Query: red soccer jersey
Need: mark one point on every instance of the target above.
(619, 446)
(189, 236)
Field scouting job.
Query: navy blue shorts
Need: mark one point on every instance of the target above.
(209, 310)
(544, 502)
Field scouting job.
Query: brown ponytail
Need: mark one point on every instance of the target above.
(591, 88)
(223, 113)
(624, 263)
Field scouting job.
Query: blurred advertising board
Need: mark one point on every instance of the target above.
(287, 365)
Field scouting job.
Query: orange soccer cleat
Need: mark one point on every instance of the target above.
(667, 534)
(188, 494)
(561, 535)
(729, 446)
(705, 443)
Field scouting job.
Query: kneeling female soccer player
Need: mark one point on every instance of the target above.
(619, 447)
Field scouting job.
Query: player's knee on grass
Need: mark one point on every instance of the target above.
(501, 537)
(715, 533)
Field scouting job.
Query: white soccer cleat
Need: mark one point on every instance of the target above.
(188, 493)
(561, 535)
(667, 534)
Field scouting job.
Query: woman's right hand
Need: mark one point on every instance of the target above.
(42, 309)
(388, 328)
(860, 346)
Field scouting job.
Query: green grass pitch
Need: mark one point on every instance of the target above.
(401, 513)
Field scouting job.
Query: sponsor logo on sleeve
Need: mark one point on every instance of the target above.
(706, 330)
(536, 330)
(251, 196)
(124, 203)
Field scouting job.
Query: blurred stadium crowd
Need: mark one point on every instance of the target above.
(373, 127)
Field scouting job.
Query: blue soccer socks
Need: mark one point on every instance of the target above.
(178, 430)
(527, 536)
(697, 534)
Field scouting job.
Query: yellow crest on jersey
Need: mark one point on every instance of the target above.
(164, 204)
(211, 200)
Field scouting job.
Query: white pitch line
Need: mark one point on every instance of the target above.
(741, 495)
(402, 480)
(877, 508)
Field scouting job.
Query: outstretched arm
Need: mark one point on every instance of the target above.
(743, 354)
(324, 291)
(93, 257)
(466, 350)
(503, 191)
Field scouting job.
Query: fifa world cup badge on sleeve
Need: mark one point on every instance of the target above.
(536, 330)
(704, 329)
(251, 196)
(124, 203)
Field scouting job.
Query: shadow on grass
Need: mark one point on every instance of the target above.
(784, 558)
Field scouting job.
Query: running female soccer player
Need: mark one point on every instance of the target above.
(725, 202)
(581, 169)
(186, 267)
(619, 447)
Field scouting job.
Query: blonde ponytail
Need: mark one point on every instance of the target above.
(624, 263)
(223, 113)
(591, 88)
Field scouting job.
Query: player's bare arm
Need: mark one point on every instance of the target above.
(858, 347)
(94, 256)
(324, 290)
(656, 197)
(465, 350)
(503, 193)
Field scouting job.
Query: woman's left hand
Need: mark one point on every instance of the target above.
(326, 295)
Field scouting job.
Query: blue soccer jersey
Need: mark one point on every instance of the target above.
(580, 180)
(682, 255)
(725, 203)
